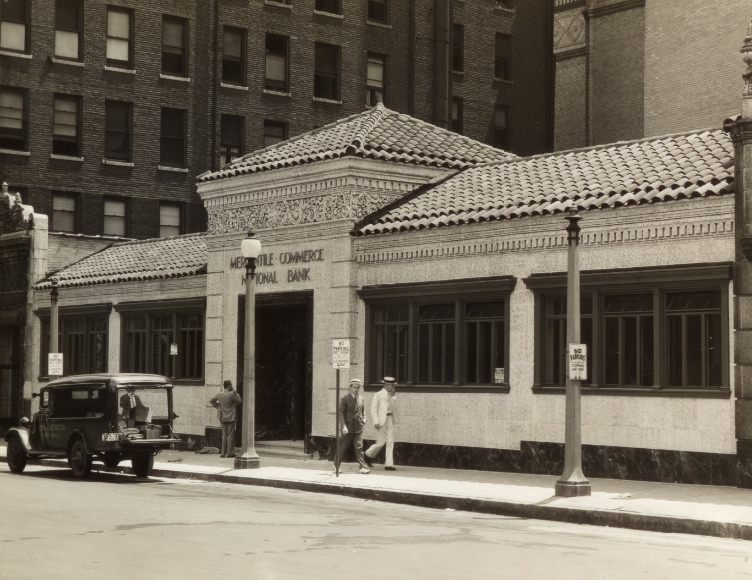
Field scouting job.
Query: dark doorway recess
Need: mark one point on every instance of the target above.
(284, 355)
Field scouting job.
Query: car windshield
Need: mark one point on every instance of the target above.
(139, 405)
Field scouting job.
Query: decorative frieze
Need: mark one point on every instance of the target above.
(569, 31)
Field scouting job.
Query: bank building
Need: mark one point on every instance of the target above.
(443, 261)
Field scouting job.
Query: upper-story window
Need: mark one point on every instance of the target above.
(503, 56)
(119, 37)
(458, 114)
(376, 79)
(14, 25)
(501, 127)
(233, 55)
(117, 130)
(378, 10)
(69, 15)
(458, 47)
(326, 72)
(331, 6)
(231, 138)
(13, 118)
(66, 125)
(64, 212)
(172, 141)
(274, 132)
(170, 220)
(277, 51)
(115, 218)
(174, 46)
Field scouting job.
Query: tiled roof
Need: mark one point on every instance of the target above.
(137, 260)
(378, 133)
(629, 173)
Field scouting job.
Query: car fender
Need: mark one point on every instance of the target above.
(77, 434)
(22, 434)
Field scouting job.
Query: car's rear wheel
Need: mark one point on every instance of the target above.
(142, 463)
(17, 455)
(111, 459)
(79, 460)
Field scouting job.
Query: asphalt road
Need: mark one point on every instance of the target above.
(120, 527)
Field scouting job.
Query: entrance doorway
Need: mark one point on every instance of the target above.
(284, 361)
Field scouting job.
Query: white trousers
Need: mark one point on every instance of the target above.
(384, 436)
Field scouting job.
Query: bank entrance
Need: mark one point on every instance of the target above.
(284, 363)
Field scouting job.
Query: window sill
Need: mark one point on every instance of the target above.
(66, 157)
(720, 393)
(233, 87)
(278, 4)
(117, 69)
(174, 78)
(509, 11)
(55, 60)
(458, 73)
(172, 169)
(15, 152)
(277, 93)
(21, 55)
(417, 388)
(117, 163)
(379, 24)
(503, 81)
(328, 101)
(329, 14)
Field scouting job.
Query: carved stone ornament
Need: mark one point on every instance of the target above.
(309, 210)
(14, 216)
(746, 51)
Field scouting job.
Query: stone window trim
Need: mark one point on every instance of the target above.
(22, 55)
(117, 38)
(77, 63)
(458, 292)
(659, 281)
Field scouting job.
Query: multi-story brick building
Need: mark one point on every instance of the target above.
(109, 111)
(621, 67)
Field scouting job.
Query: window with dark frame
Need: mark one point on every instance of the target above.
(66, 125)
(376, 79)
(233, 55)
(656, 337)
(14, 25)
(458, 48)
(13, 118)
(115, 217)
(68, 29)
(508, 4)
(330, 6)
(117, 130)
(276, 63)
(501, 127)
(378, 11)
(172, 137)
(274, 132)
(82, 338)
(149, 335)
(458, 115)
(174, 46)
(64, 212)
(170, 219)
(119, 37)
(232, 133)
(326, 81)
(503, 56)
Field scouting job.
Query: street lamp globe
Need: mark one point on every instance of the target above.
(250, 247)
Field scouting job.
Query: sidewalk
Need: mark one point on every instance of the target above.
(660, 507)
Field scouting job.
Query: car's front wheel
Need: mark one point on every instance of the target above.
(79, 460)
(17, 455)
(142, 463)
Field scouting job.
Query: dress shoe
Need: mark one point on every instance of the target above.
(390, 468)
(369, 461)
(363, 470)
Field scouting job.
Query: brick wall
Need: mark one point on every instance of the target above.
(570, 114)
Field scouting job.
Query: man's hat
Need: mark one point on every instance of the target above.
(227, 383)
(391, 380)
(356, 382)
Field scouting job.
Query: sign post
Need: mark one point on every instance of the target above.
(340, 360)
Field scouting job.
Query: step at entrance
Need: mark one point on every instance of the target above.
(283, 448)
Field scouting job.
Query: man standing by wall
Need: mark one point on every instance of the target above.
(227, 403)
(383, 411)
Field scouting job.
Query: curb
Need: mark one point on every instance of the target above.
(593, 517)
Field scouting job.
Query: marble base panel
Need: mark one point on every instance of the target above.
(548, 459)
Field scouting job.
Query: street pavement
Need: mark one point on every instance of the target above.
(660, 507)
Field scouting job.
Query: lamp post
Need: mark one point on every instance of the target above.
(53, 320)
(250, 248)
(573, 482)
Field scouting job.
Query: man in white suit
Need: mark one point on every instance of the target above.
(383, 413)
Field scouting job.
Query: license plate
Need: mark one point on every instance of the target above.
(110, 436)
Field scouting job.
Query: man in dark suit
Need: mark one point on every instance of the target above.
(129, 401)
(227, 403)
(352, 419)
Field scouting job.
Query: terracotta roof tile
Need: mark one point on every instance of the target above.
(629, 173)
(378, 133)
(174, 257)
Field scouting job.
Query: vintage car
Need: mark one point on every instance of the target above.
(111, 417)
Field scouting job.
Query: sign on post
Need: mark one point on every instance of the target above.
(577, 359)
(55, 364)
(174, 349)
(341, 353)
